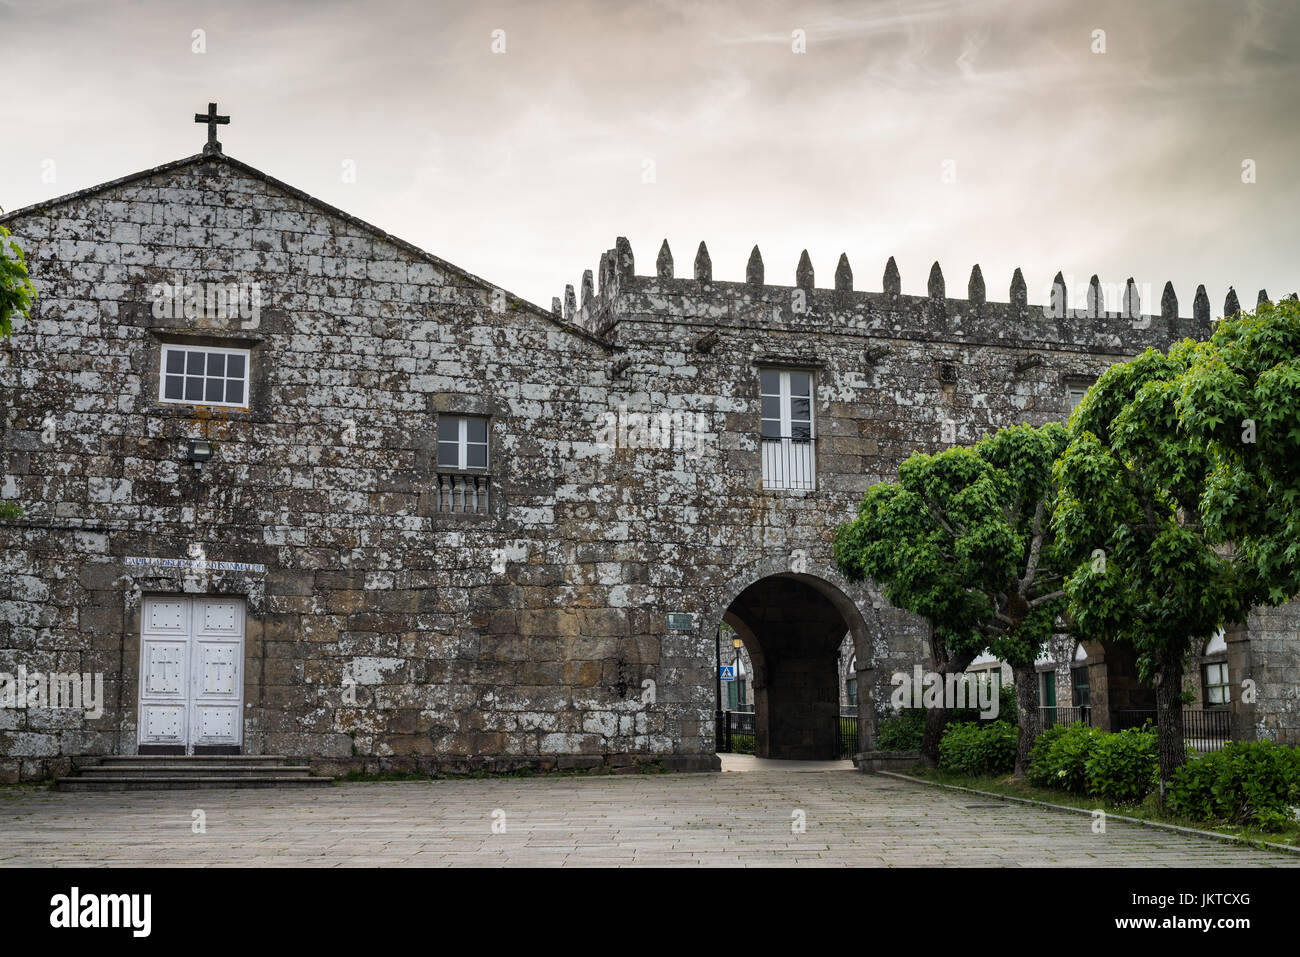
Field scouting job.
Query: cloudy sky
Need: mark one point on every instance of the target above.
(993, 131)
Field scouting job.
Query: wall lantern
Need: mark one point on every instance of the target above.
(199, 452)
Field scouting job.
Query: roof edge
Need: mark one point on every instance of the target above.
(320, 204)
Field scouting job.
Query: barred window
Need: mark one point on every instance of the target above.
(787, 429)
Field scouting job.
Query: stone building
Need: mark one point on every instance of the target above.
(292, 485)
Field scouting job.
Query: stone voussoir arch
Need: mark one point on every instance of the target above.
(862, 611)
(858, 602)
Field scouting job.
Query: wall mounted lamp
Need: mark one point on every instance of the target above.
(200, 451)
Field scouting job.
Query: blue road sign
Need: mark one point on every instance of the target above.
(727, 672)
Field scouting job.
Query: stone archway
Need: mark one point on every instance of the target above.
(792, 626)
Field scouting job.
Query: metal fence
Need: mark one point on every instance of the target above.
(848, 735)
(736, 733)
(1207, 729)
(789, 463)
(1051, 716)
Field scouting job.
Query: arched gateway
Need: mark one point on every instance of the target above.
(792, 626)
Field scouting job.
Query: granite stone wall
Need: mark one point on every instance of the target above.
(625, 477)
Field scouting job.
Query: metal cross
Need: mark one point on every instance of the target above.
(211, 118)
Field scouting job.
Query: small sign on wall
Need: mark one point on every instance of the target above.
(196, 564)
(680, 621)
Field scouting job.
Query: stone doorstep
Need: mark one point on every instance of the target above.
(184, 782)
(173, 772)
(1158, 825)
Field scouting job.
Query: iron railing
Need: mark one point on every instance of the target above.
(1204, 729)
(848, 735)
(736, 733)
(789, 463)
(1049, 716)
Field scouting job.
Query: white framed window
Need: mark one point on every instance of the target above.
(787, 435)
(204, 375)
(463, 442)
(1217, 694)
(1074, 393)
(1218, 644)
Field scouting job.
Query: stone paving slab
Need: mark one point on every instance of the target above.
(738, 818)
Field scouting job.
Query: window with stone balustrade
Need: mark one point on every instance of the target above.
(463, 480)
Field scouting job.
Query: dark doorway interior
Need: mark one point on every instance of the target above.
(792, 632)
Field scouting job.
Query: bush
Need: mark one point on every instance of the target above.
(986, 747)
(901, 733)
(1007, 705)
(1123, 767)
(1255, 783)
(1037, 771)
(1006, 708)
(1059, 756)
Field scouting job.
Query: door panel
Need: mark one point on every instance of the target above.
(218, 671)
(191, 671)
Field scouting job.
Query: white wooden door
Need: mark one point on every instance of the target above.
(191, 671)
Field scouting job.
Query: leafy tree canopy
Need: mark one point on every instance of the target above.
(1240, 400)
(963, 538)
(16, 297)
(16, 291)
(1142, 568)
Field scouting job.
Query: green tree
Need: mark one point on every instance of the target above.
(1142, 568)
(964, 539)
(1240, 399)
(16, 291)
(16, 297)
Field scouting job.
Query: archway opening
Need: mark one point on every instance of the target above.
(793, 628)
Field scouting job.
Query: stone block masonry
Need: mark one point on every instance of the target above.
(414, 615)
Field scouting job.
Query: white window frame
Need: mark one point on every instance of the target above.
(1070, 389)
(463, 443)
(781, 456)
(1223, 685)
(185, 349)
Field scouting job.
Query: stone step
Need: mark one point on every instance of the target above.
(143, 772)
(223, 758)
(201, 770)
(183, 782)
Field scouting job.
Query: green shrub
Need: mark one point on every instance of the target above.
(1043, 742)
(1059, 755)
(901, 733)
(1123, 767)
(1007, 705)
(985, 747)
(1256, 783)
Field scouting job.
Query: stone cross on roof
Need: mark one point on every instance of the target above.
(211, 118)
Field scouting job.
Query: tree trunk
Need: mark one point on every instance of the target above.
(936, 719)
(1027, 713)
(1169, 716)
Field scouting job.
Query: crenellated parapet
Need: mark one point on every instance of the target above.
(1095, 316)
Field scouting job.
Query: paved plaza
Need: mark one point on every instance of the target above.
(749, 815)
